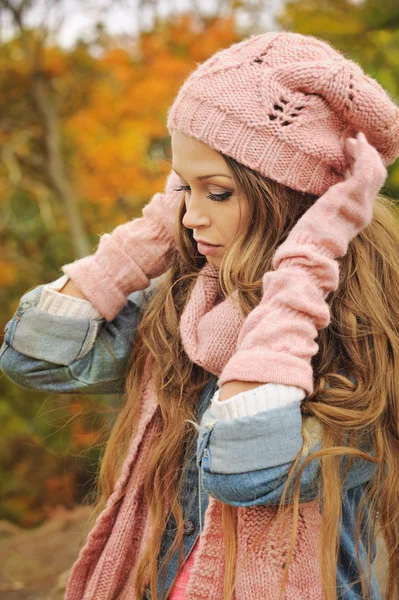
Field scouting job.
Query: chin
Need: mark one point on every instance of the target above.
(213, 260)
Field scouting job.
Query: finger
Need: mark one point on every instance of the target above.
(350, 150)
(351, 144)
(360, 136)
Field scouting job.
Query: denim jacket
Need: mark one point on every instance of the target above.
(243, 462)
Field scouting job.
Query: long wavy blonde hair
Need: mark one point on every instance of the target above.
(362, 341)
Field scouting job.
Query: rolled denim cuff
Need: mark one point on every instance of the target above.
(35, 334)
(266, 439)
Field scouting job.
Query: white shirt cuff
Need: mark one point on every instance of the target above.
(53, 302)
(262, 398)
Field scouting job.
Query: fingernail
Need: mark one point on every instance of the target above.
(361, 136)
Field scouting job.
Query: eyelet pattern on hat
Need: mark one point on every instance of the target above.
(283, 103)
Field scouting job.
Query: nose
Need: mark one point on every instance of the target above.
(195, 215)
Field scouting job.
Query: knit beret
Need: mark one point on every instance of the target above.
(282, 103)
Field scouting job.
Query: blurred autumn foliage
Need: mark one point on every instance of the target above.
(83, 146)
(107, 112)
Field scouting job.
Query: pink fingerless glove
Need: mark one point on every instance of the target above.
(277, 340)
(133, 254)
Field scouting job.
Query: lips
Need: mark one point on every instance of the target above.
(207, 243)
(207, 249)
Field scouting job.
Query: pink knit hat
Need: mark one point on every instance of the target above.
(282, 104)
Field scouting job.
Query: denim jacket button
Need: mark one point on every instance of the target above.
(188, 527)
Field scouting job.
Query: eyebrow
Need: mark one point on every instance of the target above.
(201, 177)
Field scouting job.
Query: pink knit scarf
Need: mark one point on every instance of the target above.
(209, 330)
(106, 566)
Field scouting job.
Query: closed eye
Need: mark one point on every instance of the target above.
(215, 197)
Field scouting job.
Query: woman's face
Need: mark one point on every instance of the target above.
(213, 209)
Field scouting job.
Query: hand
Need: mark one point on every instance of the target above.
(368, 172)
(163, 207)
(356, 149)
(129, 257)
(277, 340)
(344, 209)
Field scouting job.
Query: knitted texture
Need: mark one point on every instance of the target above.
(259, 576)
(258, 399)
(276, 342)
(282, 104)
(116, 541)
(107, 563)
(202, 318)
(197, 577)
(133, 254)
(53, 302)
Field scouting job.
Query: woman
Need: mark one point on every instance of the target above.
(279, 145)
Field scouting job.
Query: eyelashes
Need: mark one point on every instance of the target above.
(216, 197)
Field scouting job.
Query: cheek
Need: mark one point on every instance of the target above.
(235, 219)
(228, 224)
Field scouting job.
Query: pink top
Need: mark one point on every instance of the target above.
(181, 582)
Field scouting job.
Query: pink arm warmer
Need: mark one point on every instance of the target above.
(133, 254)
(277, 340)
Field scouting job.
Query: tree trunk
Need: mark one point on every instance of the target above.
(55, 168)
